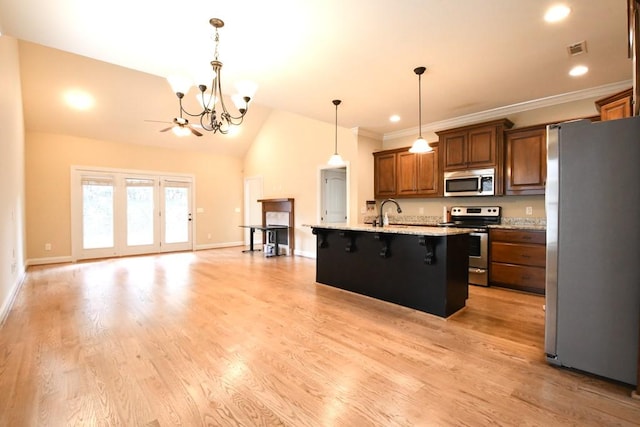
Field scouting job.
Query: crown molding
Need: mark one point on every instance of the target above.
(500, 112)
(358, 131)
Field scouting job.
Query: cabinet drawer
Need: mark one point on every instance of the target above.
(525, 254)
(519, 236)
(519, 276)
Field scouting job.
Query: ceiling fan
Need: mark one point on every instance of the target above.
(181, 127)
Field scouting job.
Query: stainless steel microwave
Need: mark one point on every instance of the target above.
(475, 182)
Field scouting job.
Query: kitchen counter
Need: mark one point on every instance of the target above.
(417, 230)
(425, 268)
(509, 223)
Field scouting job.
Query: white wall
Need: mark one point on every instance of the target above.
(12, 194)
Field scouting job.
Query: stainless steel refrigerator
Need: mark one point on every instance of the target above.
(593, 247)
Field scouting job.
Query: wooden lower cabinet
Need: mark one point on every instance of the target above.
(518, 259)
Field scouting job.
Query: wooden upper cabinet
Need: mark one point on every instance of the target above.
(477, 146)
(526, 160)
(454, 147)
(473, 147)
(616, 106)
(399, 173)
(384, 174)
(482, 147)
(428, 177)
(417, 174)
(406, 173)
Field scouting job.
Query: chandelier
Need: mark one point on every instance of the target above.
(215, 117)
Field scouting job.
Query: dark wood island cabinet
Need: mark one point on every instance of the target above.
(425, 268)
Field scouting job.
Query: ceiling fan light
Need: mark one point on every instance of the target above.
(420, 145)
(180, 131)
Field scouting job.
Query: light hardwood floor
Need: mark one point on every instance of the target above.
(223, 338)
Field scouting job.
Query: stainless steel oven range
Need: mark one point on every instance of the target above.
(477, 218)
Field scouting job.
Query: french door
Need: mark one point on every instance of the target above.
(119, 213)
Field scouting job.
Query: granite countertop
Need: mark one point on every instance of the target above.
(507, 223)
(395, 229)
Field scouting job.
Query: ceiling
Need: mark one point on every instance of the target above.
(480, 55)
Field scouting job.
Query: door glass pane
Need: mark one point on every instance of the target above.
(176, 219)
(140, 212)
(97, 214)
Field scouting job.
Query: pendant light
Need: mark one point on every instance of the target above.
(420, 145)
(336, 159)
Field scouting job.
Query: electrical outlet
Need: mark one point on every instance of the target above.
(209, 236)
(421, 211)
(528, 210)
(47, 246)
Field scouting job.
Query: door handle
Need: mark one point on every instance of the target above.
(189, 216)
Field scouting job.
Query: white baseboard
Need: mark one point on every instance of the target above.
(64, 259)
(218, 245)
(8, 303)
(49, 260)
(305, 254)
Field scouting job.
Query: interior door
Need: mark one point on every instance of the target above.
(334, 195)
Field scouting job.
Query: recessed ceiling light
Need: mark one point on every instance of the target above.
(395, 118)
(557, 13)
(578, 70)
(78, 99)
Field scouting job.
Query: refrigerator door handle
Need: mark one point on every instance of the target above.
(551, 206)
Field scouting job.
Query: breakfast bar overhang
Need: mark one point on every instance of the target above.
(425, 268)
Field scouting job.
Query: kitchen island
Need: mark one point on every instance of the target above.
(425, 268)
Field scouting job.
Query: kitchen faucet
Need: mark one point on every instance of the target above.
(381, 219)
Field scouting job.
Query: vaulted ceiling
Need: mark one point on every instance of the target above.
(480, 55)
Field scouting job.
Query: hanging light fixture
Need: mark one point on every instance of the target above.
(211, 118)
(420, 145)
(336, 159)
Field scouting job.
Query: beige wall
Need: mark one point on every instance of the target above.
(289, 153)
(218, 189)
(366, 146)
(12, 193)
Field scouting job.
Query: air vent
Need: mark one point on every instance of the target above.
(577, 48)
